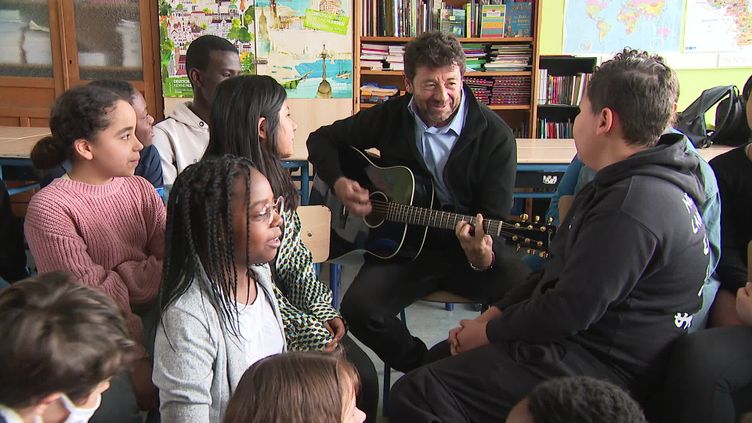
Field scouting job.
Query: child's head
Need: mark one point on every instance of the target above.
(294, 387)
(209, 61)
(61, 343)
(221, 216)
(250, 118)
(126, 91)
(93, 127)
(632, 97)
(576, 399)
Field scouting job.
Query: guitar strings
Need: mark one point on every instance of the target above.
(425, 213)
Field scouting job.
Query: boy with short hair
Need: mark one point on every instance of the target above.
(182, 138)
(625, 271)
(61, 344)
(577, 399)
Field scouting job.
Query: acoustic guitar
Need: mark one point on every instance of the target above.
(402, 212)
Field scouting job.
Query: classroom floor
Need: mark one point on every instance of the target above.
(429, 321)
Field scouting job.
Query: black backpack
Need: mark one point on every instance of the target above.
(730, 118)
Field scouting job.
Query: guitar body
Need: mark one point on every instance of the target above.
(352, 236)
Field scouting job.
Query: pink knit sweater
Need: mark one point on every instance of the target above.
(109, 236)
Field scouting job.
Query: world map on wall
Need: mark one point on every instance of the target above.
(662, 26)
(718, 25)
(607, 26)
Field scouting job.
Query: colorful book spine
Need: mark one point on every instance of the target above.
(492, 20)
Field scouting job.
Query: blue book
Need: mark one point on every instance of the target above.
(518, 19)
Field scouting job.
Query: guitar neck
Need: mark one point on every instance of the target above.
(420, 216)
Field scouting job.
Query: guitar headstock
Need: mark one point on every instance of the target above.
(532, 236)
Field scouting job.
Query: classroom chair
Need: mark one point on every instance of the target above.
(315, 222)
(314, 230)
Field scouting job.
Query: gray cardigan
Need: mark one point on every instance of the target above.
(198, 364)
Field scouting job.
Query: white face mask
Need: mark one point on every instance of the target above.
(79, 415)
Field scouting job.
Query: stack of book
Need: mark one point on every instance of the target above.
(567, 90)
(371, 92)
(481, 88)
(372, 56)
(499, 18)
(511, 90)
(509, 57)
(395, 59)
(477, 18)
(475, 56)
(548, 129)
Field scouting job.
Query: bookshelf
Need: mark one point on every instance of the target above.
(561, 83)
(517, 109)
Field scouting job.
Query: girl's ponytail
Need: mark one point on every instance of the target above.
(48, 153)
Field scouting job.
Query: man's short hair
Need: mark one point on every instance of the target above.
(433, 49)
(58, 336)
(199, 51)
(640, 89)
(582, 399)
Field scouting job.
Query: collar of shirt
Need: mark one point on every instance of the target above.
(9, 415)
(456, 124)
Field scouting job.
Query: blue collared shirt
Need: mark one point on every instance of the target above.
(435, 144)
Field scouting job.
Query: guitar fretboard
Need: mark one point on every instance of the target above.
(402, 213)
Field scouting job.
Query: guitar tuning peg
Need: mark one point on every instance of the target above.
(524, 216)
(517, 225)
(515, 238)
(527, 241)
(550, 221)
(530, 251)
(542, 229)
(530, 227)
(539, 243)
(536, 219)
(519, 247)
(543, 254)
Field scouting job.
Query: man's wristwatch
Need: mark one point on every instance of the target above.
(481, 269)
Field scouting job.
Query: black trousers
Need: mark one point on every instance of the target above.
(706, 369)
(368, 397)
(382, 289)
(482, 385)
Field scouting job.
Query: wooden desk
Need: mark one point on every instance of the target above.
(16, 143)
(561, 151)
(15, 150)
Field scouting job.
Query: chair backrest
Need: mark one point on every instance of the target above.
(749, 261)
(315, 222)
(565, 203)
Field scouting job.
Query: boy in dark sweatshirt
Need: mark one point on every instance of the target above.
(623, 281)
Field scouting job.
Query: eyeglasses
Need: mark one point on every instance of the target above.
(267, 213)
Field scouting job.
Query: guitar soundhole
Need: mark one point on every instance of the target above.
(379, 208)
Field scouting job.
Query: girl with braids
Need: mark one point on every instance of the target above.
(250, 118)
(219, 314)
(102, 224)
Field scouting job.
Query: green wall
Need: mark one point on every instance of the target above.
(692, 81)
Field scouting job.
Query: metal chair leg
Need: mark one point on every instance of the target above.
(388, 377)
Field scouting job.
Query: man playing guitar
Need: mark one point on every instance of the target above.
(441, 132)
